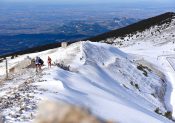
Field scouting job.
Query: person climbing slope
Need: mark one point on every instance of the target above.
(49, 62)
(37, 63)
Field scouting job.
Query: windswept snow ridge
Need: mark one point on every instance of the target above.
(101, 78)
(104, 77)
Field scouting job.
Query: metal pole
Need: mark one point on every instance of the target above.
(6, 68)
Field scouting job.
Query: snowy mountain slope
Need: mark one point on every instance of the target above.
(101, 78)
(132, 29)
(162, 58)
(157, 35)
(157, 46)
(107, 75)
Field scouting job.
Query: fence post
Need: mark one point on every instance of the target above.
(6, 63)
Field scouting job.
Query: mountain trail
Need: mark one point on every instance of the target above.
(20, 98)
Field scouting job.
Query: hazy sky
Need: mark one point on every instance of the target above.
(92, 1)
(118, 3)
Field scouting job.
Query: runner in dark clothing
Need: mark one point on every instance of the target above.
(38, 62)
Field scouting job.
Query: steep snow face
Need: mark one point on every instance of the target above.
(104, 79)
(156, 45)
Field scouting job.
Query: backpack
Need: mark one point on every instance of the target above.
(41, 61)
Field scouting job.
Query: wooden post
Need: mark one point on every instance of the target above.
(6, 63)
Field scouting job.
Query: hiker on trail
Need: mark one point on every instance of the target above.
(38, 62)
(49, 62)
(41, 62)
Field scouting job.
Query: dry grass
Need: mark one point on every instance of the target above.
(54, 112)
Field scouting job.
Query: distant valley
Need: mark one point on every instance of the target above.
(24, 26)
(24, 38)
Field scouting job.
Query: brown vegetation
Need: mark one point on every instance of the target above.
(54, 112)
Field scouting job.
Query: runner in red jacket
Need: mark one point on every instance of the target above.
(49, 62)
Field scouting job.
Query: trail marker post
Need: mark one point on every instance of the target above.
(6, 64)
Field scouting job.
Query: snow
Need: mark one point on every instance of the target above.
(95, 86)
(101, 78)
(158, 57)
(156, 47)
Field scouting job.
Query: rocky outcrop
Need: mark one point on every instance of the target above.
(21, 65)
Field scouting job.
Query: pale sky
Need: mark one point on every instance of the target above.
(91, 1)
(130, 3)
